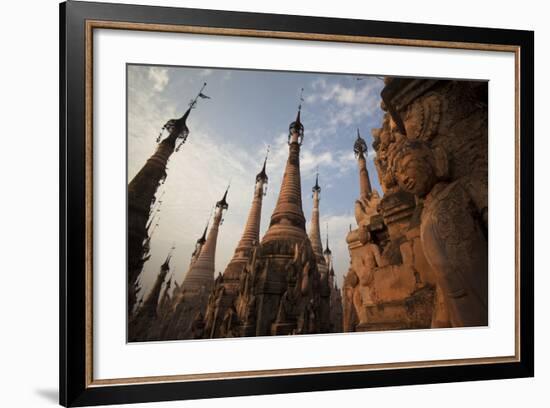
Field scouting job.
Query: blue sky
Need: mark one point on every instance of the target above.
(229, 135)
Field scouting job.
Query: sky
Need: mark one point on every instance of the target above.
(249, 110)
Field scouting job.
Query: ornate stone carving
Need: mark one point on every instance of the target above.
(453, 232)
(422, 117)
(351, 280)
(450, 118)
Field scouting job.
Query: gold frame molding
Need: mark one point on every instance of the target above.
(99, 24)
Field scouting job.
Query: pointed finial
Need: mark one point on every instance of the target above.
(262, 175)
(296, 127)
(360, 146)
(300, 105)
(193, 102)
(327, 249)
(223, 202)
(178, 127)
(202, 239)
(266, 154)
(316, 187)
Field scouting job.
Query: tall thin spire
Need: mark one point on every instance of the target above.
(360, 148)
(145, 323)
(316, 186)
(327, 249)
(296, 129)
(251, 232)
(287, 220)
(315, 230)
(141, 195)
(200, 243)
(201, 272)
(151, 302)
(223, 202)
(262, 175)
(202, 239)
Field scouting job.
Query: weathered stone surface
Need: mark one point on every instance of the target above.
(282, 285)
(431, 157)
(222, 313)
(141, 196)
(146, 323)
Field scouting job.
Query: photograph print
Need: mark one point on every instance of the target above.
(266, 203)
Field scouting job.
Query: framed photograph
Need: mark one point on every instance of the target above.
(257, 204)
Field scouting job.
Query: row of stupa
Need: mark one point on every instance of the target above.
(281, 284)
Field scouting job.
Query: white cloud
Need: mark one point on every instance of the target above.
(348, 104)
(205, 72)
(159, 77)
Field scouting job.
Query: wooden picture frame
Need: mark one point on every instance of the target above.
(77, 22)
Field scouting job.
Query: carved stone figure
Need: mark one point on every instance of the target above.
(453, 230)
(364, 266)
(349, 315)
(365, 208)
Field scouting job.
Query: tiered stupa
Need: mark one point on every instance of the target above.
(280, 286)
(141, 196)
(316, 244)
(200, 276)
(190, 299)
(228, 284)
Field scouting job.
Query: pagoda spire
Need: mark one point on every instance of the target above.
(141, 193)
(251, 233)
(201, 272)
(199, 244)
(360, 149)
(328, 253)
(287, 220)
(144, 324)
(150, 304)
(315, 231)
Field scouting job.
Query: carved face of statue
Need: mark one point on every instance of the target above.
(415, 173)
